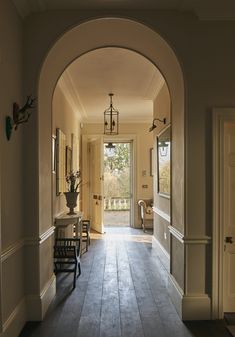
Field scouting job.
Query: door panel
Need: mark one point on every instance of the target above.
(96, 183)
(229, 218)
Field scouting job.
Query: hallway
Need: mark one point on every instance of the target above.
(121, 293)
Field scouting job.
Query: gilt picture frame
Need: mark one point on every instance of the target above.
(68, 168)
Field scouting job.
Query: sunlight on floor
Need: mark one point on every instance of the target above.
(120, 234)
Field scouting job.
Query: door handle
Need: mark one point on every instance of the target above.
(229, 239)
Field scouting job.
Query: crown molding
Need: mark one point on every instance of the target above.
(223, 12)
(22, 7)
(26, 7)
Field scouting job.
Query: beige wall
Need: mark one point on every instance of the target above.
(143, 142)
(205, 87)
(162, 109)
(196, 55)
(11, 168)
(69, 122)
(206, 54)
(163, 219)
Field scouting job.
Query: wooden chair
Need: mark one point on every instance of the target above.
(86, 233)
(66, 257)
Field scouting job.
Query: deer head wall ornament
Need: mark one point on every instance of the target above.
(19, 115)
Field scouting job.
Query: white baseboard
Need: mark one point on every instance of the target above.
(176, 294)
(196, 307)
(15, 322)
(48, 294)
(189, 307)
(163, 254)
(37, 305)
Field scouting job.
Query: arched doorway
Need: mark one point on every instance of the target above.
(106, 32)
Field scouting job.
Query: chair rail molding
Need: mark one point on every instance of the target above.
(30, 241)
(162, 214)
(12, 249)
(197, 239)
(33, 241)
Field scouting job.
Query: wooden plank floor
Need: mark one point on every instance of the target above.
(120, 293)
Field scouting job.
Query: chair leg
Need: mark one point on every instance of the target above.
(87, 243)
(75, 277)
(79, 269)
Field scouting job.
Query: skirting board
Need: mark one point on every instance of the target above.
(16, 321)
(37, 305)
(196, 307)
(162, 253)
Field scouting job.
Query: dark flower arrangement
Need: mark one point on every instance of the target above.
(73, 180)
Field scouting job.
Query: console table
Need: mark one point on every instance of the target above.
(64, 220)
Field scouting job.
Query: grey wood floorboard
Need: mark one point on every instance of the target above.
(122, 292)
(110, 313)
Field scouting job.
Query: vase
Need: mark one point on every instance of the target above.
(71, 201)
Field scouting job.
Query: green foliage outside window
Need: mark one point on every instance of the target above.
(117, 171)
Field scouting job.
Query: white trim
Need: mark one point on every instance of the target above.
(133, 140)
(220, 115)
(196, 240)
(31, 241)
(176, 285)
(190, 306)
(37, 304)
(164, 255)
(16, 320)
(44, 236)
(12, 249)
(175, 293)
(162, 214)
(47, 294)
(196, 307)
(179, 236)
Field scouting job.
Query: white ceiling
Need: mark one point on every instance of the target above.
(133, 79)
(204, 9)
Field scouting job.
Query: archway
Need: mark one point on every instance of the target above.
(107, 32)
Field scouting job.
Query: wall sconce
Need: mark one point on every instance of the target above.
(153, 126)
(163, 148)
(110, 149)
(19, 115)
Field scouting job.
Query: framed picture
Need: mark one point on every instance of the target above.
(164, 162)
(68, 167)
(151, 162)
(60, 162)
(53, 154)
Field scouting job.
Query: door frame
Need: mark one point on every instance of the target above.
(132, 140)
(85, 169)
(220, 116)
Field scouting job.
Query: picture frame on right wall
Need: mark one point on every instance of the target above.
(164, 162)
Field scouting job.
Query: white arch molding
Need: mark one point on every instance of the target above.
(108, 32)
(91, 35)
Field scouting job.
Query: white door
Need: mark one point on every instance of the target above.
(96, 184)
(229, 217)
